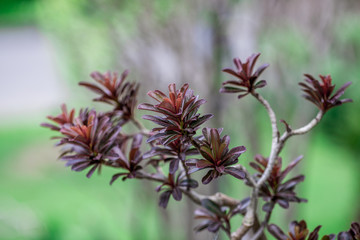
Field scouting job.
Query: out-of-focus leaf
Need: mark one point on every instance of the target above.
(164, 199)
(276, 232)
(292, 182)
(191, 183)
(211, 206)
(208, 177)
(177, 194)
(238, 173)
(314, 235)
(174, 165)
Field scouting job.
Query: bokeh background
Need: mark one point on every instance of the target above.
(48, 46)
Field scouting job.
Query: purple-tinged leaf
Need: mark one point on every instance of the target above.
(191, 152)
(241, 208)
(207, 178)
(147, 106)
(256, 167)
(242, 95)
(155, 136)
(203, 164)
(232, 72)
(169, 139)
(80, 166)
(164, 199)
(116, 176)
(157, 95)
(211, 206)
(201, 213)
(203, 225)
(158, 120)
(237, 150)
(75, 161)
(214, 226)
(191, 183)
(290, 167)
(201, 120)
(227, 89)
(283, 203)
(261, 69)
(260, 84)
(341, 91)
(51, 126)
(93, 88)
(238, 173)
(291, 183)
(314, 235)
(267, 207)
(91, 171)
(174, 165)
(276, 232)
(344, 236)
(177, 194)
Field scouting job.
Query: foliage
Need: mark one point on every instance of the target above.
(96, 139)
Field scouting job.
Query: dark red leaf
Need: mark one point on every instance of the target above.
(208, 177)
(314, 235)
(211, 206)
(174, 165)
(238, 173)
(276, 232)
(177, 194)
(116, 176)
(290, 167)
(164, 199)
(191, 183)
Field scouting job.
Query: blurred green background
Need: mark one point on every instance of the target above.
(47, 47)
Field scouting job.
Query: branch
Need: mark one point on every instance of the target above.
(276, 147)
(182, 160)
(248, 176)
(303, 129)
(275, 139)
(260, 231)
(151, 176)
(250, 216)
(271, 113)
(219, 198)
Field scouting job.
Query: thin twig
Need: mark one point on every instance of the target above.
(276, 147)
(182, 160)
(301, 130)
(275, 139)
(219, 198)
(264, 224)
(249, 218)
